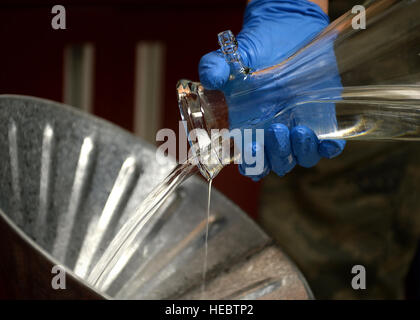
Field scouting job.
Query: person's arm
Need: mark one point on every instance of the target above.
(322, 3)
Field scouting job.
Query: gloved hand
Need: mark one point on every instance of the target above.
(272, 31)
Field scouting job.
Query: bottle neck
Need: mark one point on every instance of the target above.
(205, 115)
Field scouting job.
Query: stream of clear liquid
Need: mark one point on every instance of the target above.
(109, 265)
(203, 286)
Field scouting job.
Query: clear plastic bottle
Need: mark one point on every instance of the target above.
(379, 68)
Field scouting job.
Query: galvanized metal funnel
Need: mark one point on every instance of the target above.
(70, 180)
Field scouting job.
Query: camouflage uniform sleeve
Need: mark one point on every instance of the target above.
(361, 208)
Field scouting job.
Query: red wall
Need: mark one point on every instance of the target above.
(31, 56)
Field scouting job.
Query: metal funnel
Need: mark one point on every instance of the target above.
(63, 171)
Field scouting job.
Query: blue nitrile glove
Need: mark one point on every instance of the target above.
(272, 31)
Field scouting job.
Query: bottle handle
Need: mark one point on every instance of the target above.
(229, 48)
